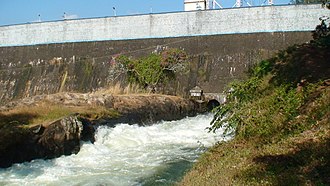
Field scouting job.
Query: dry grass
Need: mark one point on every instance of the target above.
(46, 112)
(119, 89)
(299, 160)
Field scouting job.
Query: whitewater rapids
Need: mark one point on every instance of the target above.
(123, 156)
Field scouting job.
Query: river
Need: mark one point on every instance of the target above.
(125, 155)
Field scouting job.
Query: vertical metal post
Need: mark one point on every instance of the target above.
(207, 4)
(114, 11)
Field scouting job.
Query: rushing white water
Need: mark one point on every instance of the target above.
(124, 155)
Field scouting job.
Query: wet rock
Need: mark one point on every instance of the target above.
(88, 132)
(16, 146)
(62, 137)
(38, 129)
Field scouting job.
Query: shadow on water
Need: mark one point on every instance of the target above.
(168, 175)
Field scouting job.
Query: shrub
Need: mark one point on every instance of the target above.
(268, 105)
(155, 69)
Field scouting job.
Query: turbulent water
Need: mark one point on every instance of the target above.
(124, 155)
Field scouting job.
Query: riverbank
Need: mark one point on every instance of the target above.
(157, 154)
(49, 126)
(281, 120)
(298, 160)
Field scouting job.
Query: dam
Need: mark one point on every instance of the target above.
(168, 25)
(76, 55)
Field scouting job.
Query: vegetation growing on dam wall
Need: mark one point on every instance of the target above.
(156, 70)
(88, 66)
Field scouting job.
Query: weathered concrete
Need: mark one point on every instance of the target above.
(219, 97)
(211, 22)
(82, 67)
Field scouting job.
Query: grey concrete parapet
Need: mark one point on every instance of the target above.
(197, 23)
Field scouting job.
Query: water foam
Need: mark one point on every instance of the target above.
(124, 155)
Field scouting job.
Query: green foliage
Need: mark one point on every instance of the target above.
(239, 94)
(262, 69)
(252, 112)
(323, 41)
(155, 69)
(268, 105)
(228, 115)
(147, 71)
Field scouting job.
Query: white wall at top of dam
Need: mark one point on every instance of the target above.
(210, 22)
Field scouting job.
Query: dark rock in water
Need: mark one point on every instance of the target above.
(38, 129)
(61, 137)
(17, 145)
(88, 132)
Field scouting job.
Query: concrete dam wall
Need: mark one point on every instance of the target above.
(197, 23)
(77, 55)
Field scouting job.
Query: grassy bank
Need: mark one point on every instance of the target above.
(24, 114)
(281, 120)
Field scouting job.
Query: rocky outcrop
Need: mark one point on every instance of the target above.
(133, 109)
(61, 137)
(147, 109)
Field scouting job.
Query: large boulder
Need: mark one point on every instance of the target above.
(16, 145)
(62, 137)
